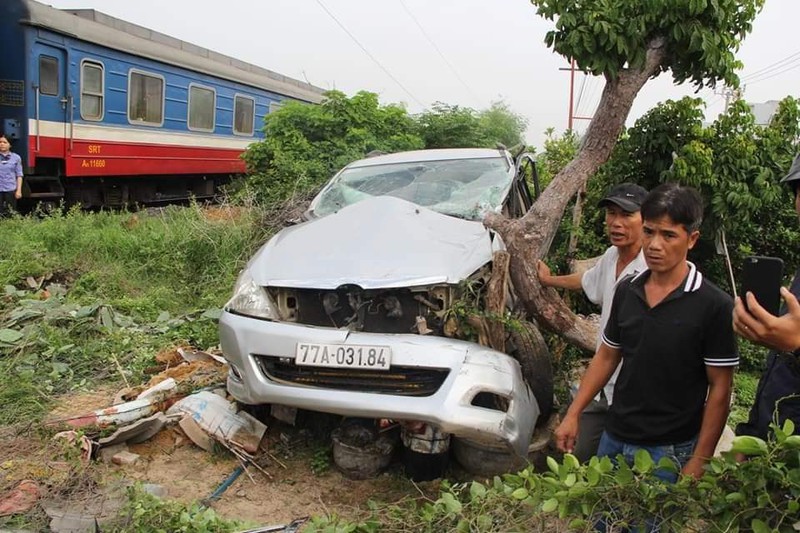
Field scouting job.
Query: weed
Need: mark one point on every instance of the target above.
(86, 291)
(321, 460)
(145, 512)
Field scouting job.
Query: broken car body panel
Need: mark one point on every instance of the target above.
(380, 261)
(382, 242)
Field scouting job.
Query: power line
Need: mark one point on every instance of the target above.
(438, 51)
(373, 58)
(580, 94)
(792, 67)
(778, 64)
(592, 96)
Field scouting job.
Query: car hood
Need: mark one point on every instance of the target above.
(382, 242)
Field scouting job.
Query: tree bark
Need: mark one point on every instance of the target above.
(528, 239)
(496, 300)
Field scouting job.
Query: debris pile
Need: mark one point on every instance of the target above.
(188, 395)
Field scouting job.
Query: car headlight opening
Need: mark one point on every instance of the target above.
(250, 299)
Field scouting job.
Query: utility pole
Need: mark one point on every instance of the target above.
(571, 92)
(571, 115)
(577, 210)
(731, 95)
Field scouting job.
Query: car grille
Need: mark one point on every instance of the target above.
(399, 380)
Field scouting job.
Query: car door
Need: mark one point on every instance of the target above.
(520, 199)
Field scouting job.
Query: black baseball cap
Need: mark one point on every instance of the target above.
(628, 196)
(793, 177)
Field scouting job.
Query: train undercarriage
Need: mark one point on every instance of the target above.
(48, 191)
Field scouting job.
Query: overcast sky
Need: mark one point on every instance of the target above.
(465, 52)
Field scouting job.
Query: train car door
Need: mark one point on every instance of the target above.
(53, 106)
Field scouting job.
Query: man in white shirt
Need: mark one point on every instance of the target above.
(624, 257)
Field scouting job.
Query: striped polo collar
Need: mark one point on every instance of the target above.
(693, 282)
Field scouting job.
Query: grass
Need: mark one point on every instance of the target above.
(744, 387)
(88, 290)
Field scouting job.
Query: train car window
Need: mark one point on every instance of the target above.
(244, 109)
(274, 106)
(48, 75)
(92, 90)
(201, 108)
(145, 98)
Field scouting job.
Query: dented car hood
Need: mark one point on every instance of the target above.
(382, 242)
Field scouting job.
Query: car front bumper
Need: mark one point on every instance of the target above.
(471, 369)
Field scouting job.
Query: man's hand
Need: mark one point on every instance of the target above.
(694, 467)
(566, 433)
(760, 326)
(18, 194)
(544, 273)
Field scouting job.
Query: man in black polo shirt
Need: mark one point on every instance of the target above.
(672, 331)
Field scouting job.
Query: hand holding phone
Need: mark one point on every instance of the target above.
(763, 276)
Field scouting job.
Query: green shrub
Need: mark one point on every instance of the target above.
(145, 512)
(761, 494)
(109, 291)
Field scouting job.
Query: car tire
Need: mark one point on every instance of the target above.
(530, 350)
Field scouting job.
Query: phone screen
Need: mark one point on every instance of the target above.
(763, 276)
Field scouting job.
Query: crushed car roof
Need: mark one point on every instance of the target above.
(429, 155)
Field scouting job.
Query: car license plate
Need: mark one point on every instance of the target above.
(343, 356)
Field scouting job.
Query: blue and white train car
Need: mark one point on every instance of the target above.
(105, 112)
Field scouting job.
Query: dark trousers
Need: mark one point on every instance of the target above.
(592, 425)
(8, 203)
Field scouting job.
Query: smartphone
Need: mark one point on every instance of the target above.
(763, 277)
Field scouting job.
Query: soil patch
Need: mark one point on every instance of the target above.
(290, 489)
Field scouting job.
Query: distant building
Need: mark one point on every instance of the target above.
(763, 112)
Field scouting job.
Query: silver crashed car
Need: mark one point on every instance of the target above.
(350, 313)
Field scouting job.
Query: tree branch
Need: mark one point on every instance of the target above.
(528, 239)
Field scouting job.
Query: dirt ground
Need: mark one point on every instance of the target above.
(287, 489)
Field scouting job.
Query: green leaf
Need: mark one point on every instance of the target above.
(106, 318)
(212, 314)
(578, 524)
(520, 494)
(451, 504)
(734, 497)
(570, 461)
(788, 427)
(624, 476)
(550, 505)
(552, 464)
(759, 526)
(477, 491)
(593, 475)
(642, 462)
(792, 442)
(749, 445)
(10, 336)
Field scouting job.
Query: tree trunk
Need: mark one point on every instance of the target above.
(528, 239)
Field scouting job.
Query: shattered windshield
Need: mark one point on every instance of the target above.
(465, 188)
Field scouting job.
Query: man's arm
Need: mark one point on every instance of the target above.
(603, 364)
(777, 333)
(569, 281)
(715, 414)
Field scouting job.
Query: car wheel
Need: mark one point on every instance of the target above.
(530, 350)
